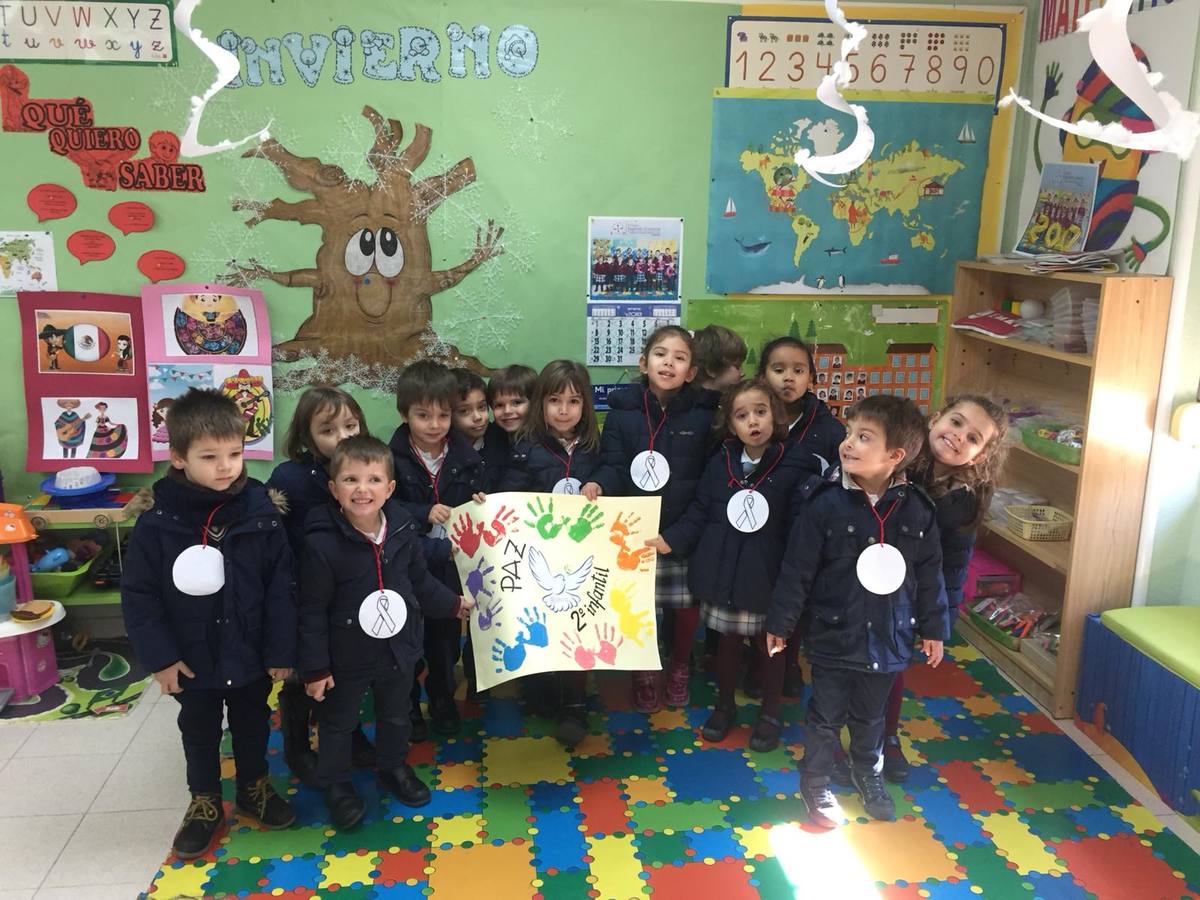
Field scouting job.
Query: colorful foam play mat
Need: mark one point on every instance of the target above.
(1000, 805)
(102, 679)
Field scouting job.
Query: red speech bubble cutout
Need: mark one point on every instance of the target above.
(160, 265)
(90, 246)
(131, 216)
(51, 201)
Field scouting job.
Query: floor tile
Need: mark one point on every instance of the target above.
(143, 780)
(112, 848)
(53, 785)
(159, 731)
(12, 736)
(1182, 830)
(17, 895)
(128, 891)
(29, 845)
(110, 734)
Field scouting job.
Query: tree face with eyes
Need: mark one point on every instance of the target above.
(373, 280)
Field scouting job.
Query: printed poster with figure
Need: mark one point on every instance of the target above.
(559, 583)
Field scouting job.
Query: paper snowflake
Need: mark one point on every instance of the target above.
(174, 88)
(520, 241)
(347, 148)
(477, 325)
(321, 368)
(226, 247)
(531, 122)
(451, 213)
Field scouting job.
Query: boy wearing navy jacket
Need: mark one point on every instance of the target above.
(209, 604)
(436, 469)
(864, 564)
(365, 589)
(470, 419)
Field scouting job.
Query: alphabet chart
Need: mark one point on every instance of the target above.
(926, 57)
(84, 31)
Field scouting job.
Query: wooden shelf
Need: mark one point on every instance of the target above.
(1055, 554)
(1019, 269)
(1031, 677)
(1021, 450)
(1075, 359)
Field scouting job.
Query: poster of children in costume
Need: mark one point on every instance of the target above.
(89, 429)
(560, 583)
(205, 323)
(95, 342)
(249, 386)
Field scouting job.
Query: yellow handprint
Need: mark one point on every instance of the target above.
(631, 623)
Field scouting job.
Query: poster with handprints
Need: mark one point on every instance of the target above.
(559, 583)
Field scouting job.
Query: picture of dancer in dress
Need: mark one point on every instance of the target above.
(110, 439)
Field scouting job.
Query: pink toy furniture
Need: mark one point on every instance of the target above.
(27, 661)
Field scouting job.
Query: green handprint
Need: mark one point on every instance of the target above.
(589, 519)
(543, 518)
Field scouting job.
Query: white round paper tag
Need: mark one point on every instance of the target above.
(649, 470)
(567, 486)
(199, 570)
(881, 569)
(748, 511)
(382, 614)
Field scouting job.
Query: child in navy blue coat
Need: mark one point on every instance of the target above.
(209, 602)
(787, 365)
(734, 557)
(365, 590)
(470, 419)
(657, 439)
(436, 470)
(864, 564)
(959, 468)
(324, 416)
(558, 451)
(720, 355)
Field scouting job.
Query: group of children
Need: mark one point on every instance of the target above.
(778, 527)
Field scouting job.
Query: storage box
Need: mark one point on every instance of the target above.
(56, 585)
(996, 634)
(988, 577)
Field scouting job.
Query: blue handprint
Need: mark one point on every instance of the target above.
(534, 621)
(510, 658)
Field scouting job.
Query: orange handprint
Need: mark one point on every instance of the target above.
(622, 527)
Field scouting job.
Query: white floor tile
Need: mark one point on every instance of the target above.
(12, 736)
(110, 734)
(17, 895)
(141, 780)
(53, 785)
(151, 695)
(29, 846)
(159, 732)
(112, 848)
(94, 892)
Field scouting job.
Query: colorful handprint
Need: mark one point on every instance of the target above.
(607, 650)
(622, 528)
(631, 559)
(573, 648)
(631, 624)
(504, 519)
(466, 533)
(534, 622)
(486, 617)
(590, 518)
(508, 657)
(543, 518)
(477, 580)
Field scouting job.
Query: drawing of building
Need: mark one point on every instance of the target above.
(907, 371)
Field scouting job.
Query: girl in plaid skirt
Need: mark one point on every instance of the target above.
(735, 533)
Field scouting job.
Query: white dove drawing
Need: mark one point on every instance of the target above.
(560, 589)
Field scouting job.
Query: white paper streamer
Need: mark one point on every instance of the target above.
(1176, 129)
(829, 93)
(227, 70)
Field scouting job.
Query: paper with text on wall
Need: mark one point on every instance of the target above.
(559, 583)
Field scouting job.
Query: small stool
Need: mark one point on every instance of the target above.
(28, 663)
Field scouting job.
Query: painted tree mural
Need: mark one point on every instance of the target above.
(373, 280)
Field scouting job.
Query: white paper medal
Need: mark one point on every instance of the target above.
(567, 486)
(650, 470)
(199, 570)
(747, 511)
(881, 569)
(382, 614)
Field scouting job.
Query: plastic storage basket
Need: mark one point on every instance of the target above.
(1039, 523)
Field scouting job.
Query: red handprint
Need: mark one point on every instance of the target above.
(505, 517)
(573, 648)
(607, 651)
(466, 533)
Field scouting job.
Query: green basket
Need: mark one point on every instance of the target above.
(998, 635)
(1051, 449)
(56, 585)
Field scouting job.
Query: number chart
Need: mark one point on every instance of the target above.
(928, 57)
(616, 332)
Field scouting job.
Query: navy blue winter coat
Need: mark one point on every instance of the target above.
(229, 638)
(726, 567)
(818, 433)
(495, 452)
(539, 465)
(849, 626)
(459, 479)
(957, 512)
(686, 439)
(337, 572)
(304, 483)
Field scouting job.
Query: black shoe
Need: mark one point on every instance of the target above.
(765, 736)
(824, 811)
(444, 715)
(841, 770)
(345, 806)
(793, 683)
(200, 825)
(572, 727)
(404, 783)
(362, 751)
(719, 724)
(420, 728)
(895, 763)
(260, 802)
(875, 799)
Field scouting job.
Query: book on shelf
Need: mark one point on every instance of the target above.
(993, 323)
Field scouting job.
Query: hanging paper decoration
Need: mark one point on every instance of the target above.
(51, 201)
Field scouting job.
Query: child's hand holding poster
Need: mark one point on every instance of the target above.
(559, 583)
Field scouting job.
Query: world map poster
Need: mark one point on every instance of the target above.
(895, 225)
